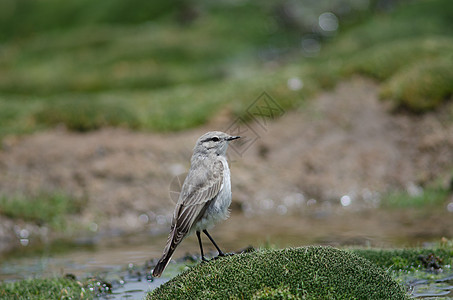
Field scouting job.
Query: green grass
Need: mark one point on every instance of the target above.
(428, 197)
(88, 65)
(407, 265)
(417, 19)
(409, 51)
(86, 114)
(416, 73)
(157, 75)
(57, 288)
(404, 259)
(165, 109)
(27, 17)
(45, 208)
(381, 61)
(296, 273)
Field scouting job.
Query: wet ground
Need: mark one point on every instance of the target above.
(322, 224)
(115, 280)
(441, 287)
(124, 262)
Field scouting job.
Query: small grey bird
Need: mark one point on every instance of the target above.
(205, 195)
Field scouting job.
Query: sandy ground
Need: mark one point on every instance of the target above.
(344, 144)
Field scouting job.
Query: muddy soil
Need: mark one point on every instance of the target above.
(343, 148)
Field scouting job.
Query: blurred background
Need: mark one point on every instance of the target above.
(345, 109)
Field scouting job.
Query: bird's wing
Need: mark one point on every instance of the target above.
(197, 193)
(198, 190)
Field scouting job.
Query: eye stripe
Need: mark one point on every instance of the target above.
(214, 138)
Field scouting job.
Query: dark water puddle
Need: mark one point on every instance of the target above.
(127, 288)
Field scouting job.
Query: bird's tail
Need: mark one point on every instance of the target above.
(162, 264)
(165, 259)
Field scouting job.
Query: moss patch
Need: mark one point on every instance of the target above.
(406, 259)
(309, 272)
(58, 288)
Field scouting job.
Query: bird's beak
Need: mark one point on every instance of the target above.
(230, 138)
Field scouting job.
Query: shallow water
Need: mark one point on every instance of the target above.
(432, 288)
(116, 259)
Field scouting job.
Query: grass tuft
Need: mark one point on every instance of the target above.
(57, 288)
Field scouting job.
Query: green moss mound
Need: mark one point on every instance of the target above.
(313, 272)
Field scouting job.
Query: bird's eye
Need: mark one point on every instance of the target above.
(215, 139)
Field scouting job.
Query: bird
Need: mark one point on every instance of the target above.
(205, 195)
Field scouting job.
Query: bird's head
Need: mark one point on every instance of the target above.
(214, 142)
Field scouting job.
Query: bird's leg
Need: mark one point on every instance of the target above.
(201, 246)
(213, 242)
